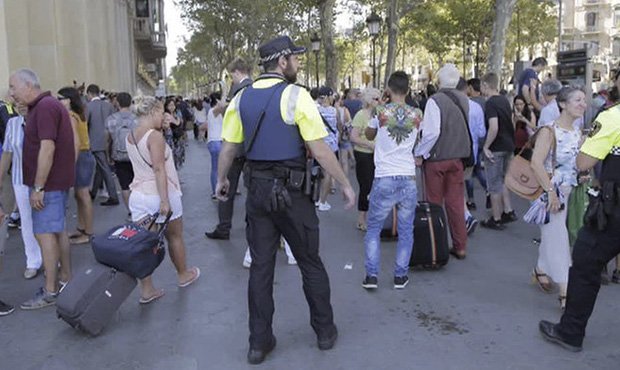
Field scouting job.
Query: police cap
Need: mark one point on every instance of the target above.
(280, 46)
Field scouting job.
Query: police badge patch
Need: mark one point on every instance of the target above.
(596, 127)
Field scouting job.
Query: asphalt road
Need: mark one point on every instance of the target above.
(480, 313)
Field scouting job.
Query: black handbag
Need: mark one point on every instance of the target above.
(131, 247)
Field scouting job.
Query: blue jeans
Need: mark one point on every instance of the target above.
(386, 193)
(214, 148)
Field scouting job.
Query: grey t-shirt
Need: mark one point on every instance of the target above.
(98, 113)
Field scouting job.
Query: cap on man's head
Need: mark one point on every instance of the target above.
(278, 47)
(326, 91)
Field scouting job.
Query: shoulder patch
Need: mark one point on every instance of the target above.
(596, 127)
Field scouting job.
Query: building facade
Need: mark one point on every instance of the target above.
(119, 45)
(593, 24)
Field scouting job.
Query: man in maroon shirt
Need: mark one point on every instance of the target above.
(49, 171)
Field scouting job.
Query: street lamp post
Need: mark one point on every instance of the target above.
(374, 24)
(316, 47)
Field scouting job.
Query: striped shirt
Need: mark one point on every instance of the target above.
(14, 143)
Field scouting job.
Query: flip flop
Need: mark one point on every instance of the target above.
(160, 293)
(190, 281)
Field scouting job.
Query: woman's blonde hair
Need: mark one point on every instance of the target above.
(144, 105)
(369, 94)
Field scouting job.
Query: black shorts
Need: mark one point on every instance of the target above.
(124, 173)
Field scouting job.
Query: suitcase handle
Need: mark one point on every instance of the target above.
(164, 225)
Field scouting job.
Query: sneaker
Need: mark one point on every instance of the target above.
(110, 202)
(323, 207)
(471, 224)
(492, 224)
(41, 299)
(370, 282)
(14, 223)
(400, 281)
(471, 206)
(509, 217)
(247, 259)
(615, 277)
(30, 273)
(5, 309)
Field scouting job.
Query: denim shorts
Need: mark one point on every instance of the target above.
(51, 219)
(496, 171)
(84, 169)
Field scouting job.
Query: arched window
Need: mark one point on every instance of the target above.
(591, 19)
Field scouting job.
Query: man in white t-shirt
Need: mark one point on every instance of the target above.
(394, 130)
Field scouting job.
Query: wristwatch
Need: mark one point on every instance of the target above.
(38, 189)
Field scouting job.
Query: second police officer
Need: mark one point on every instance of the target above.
(599, 239)
(277, 122)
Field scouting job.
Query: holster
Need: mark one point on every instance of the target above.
(315, 186)
(601, 207)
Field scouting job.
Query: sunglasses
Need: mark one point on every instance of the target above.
(61, 98)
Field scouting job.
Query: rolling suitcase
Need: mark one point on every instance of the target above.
(390, 226)
(430, 233)
(430, 237)
(91, 298)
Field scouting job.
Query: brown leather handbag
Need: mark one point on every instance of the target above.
(520, 177)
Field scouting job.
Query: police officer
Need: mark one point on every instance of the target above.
(275, 120)
(599, 240)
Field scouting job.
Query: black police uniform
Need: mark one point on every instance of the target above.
(277, 206)
(599, 240)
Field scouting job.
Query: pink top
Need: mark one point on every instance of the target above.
(144, 177)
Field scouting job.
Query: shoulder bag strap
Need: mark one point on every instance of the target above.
(455, 100)
(327, 125)
(133, 137)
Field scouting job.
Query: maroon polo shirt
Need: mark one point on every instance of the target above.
(48, 119)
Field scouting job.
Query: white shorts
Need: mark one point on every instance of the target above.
(143, 205)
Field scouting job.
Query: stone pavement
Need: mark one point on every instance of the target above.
(481, 313)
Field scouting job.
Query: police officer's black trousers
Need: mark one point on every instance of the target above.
(593, 250)
(225, 209)
(299, 224)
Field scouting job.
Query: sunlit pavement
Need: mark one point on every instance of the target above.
(480, 313)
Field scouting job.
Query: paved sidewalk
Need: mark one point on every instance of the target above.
(480, 313)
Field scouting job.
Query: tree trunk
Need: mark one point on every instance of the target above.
(326, 11)
(392, 29)
(503, 14)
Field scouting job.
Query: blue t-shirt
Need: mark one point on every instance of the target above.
(353, 105)
(524, 79)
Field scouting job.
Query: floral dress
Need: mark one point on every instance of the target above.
(567, 148)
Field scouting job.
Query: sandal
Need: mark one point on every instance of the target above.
(146, 300)
(562, 299)
(79, 232)
(82, 239)
(190, 281)
(546, 287)
(362, 227)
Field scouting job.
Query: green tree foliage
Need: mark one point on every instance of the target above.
(225, 29)
(534, 22)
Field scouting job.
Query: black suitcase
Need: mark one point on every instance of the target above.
(91, 298)
(389, 231)
(430, 237)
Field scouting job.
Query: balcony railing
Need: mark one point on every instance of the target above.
(142, 29)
